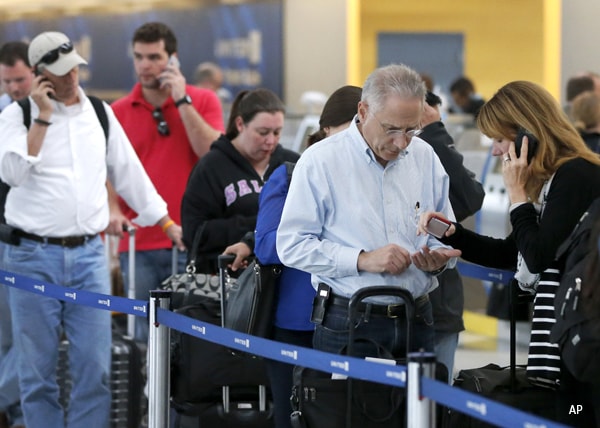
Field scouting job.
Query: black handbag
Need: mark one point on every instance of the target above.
(251, 300)
(497, 383)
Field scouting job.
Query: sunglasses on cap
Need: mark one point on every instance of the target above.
(52, 56)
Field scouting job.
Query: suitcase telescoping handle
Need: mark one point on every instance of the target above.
(380, 290)
(131, 277)
(223, 261)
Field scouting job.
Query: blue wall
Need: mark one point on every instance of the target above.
(245, 40)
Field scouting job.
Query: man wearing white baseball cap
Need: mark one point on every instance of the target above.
(57, 206)
(54, 52)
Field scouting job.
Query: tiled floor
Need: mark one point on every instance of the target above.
(476, 350)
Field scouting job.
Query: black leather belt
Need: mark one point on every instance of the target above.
(390, 311)
(67, 241)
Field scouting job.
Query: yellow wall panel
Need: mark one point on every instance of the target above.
(504, 40)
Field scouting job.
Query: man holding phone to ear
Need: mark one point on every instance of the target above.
(168, 123)
(57, 206)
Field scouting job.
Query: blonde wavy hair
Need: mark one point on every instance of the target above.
(526, 105)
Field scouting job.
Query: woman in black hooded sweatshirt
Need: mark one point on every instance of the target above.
(221, 198)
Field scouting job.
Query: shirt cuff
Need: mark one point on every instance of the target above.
(151, 215)
(348, 261)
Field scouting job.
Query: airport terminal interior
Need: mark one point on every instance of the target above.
(304, 49)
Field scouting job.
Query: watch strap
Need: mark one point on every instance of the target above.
(185, 100)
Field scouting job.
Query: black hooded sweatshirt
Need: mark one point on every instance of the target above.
(221, 200)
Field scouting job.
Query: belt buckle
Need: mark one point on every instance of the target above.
(390, 310)
(70, 241)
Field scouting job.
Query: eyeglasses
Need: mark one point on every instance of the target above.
(161, 123)
(394, 132)
(52, 56)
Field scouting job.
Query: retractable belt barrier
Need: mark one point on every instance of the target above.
(463, 401)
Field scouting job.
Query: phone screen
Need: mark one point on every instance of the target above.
(531, 146)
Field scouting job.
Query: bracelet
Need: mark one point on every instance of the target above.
(167, 225)
(42, 122)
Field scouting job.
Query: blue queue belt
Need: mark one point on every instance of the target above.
(471, 404)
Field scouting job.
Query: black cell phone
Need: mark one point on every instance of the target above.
(38, 72)
(531, 146)
(320, 304)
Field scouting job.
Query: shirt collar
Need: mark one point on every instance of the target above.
(359, 142)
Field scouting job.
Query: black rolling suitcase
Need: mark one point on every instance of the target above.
(213, 386)
(126, 383)
(507, 385)
(320, 401)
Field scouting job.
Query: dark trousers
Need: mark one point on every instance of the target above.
(280, 374)
(332, 334)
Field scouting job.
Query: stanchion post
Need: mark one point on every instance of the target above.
(420, 409)
(131, 279)
(159, 356)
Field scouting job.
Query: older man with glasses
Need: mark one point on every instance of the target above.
(352, 211)
(56, 209)
(171, 125)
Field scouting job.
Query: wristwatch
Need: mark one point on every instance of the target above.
(185, 100)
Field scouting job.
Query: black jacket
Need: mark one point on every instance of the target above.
(466, 198)
(221, 199)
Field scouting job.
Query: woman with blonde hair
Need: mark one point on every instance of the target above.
(548, 194)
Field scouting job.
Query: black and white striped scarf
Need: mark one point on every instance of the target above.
(543, 363)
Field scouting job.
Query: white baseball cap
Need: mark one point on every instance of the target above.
(54, 52)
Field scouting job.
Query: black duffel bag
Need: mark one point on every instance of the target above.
(199, 368)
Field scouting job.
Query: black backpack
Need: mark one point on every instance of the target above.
(25, 105)
(576, 331)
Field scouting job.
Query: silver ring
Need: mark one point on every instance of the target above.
(506, 158)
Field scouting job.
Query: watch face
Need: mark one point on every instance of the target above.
(185, 100)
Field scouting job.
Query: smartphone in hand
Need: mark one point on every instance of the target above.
(532, 144)
(438, 226)
(37, 70)
(173, 61)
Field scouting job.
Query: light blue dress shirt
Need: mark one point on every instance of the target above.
(342, 201)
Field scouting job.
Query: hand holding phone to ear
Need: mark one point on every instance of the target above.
(532, 144)
(172, 78)
(515, 169)
(42, 90)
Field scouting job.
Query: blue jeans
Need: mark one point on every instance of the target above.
(152, 267)
(39, 322)
(445, 348)
(332, 334)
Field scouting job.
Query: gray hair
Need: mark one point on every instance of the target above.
(393, 79)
